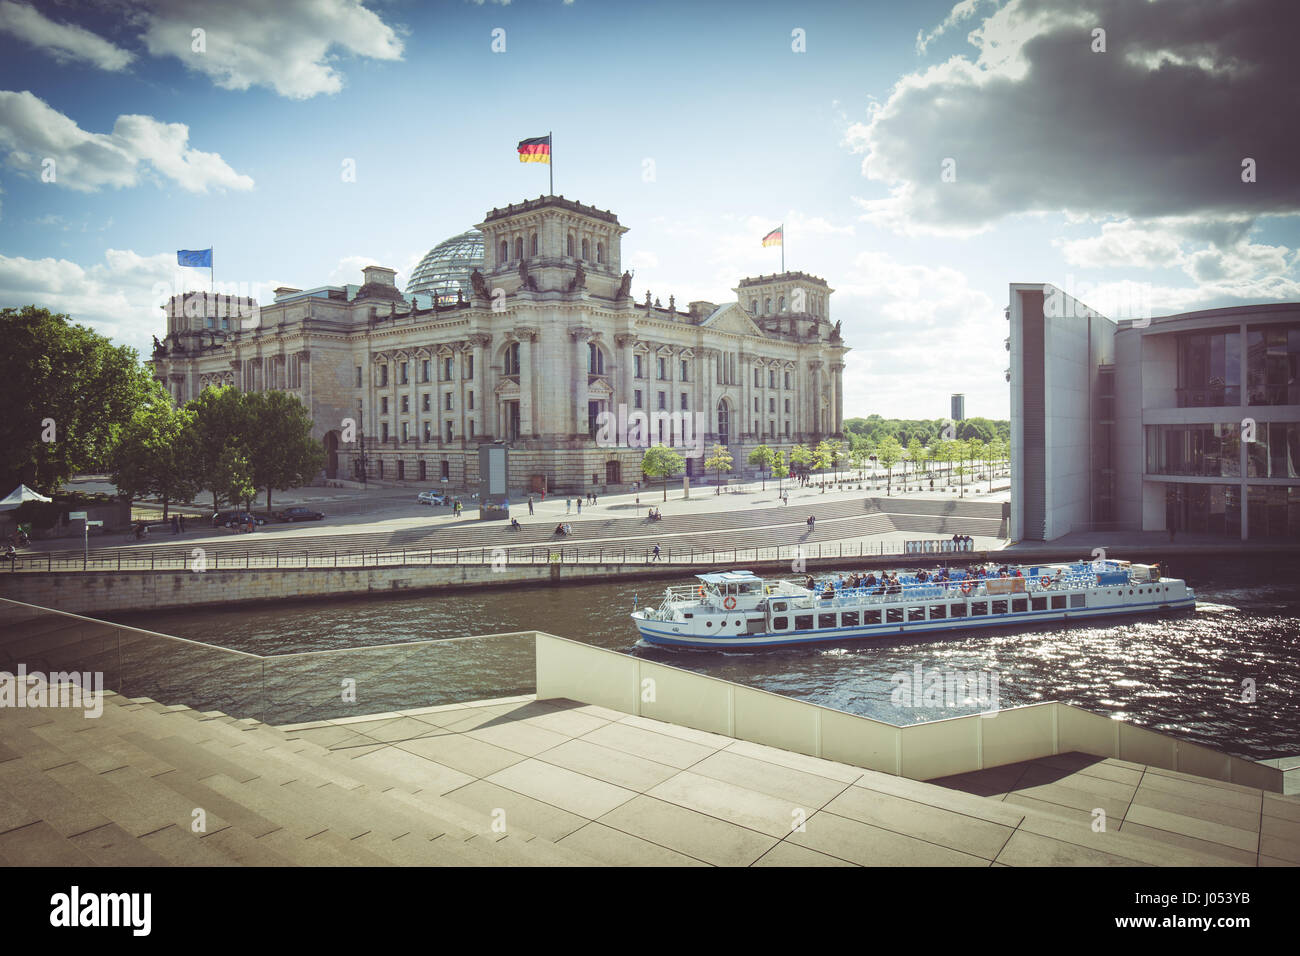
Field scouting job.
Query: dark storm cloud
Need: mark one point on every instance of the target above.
(1155, 127)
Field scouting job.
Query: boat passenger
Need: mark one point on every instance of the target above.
(810, 584)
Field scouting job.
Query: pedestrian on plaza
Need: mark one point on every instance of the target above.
(530, 504)
(568, 506)
(593, 497)
(579, 506)
(656, 553)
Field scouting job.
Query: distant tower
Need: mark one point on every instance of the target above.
(959, 407)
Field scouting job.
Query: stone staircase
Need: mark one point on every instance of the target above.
(122, 790)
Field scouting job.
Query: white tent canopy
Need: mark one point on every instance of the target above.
(18, 496)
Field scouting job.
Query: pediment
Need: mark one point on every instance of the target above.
(732, 318)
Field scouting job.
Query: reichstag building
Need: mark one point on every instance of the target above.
(525, 330)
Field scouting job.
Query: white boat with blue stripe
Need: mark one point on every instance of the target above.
(741, 609)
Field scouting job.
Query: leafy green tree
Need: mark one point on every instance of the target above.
(822, 457)
(888, 453)
(762, 456)
(67, 393)
(800, 459)
(915, 454)
(220, 423)
(154, 454)
(661, 461)
(282, 452)
(719, 460)
(234, 476)
(778, 465)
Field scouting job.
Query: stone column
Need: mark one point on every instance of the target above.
(837, 399)
(479, 383)
(578, 388)
(526, 335)
(815, 384)
(627, 385)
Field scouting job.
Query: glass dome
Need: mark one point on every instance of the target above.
(445, 270)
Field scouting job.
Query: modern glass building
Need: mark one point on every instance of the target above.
(445, 270)
(1180, 423)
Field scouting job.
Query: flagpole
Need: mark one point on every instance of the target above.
(782, 248)
(551, 164)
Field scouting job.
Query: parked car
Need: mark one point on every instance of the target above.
(298, 514)
(229, 519)
(434, 498)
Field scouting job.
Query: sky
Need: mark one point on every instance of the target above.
(922, 156)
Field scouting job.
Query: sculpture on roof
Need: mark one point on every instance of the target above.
(835, 333)
(158, 348)
(579, 279)
(625, 286)
(479, 284)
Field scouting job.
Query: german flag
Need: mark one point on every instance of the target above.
(773, 238)
(535, 150)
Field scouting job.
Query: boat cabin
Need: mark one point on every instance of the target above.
(731, 590)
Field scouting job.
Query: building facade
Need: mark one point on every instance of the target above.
(1182, 423)
(545, 349)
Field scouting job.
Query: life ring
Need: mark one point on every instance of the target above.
(1044, 582)
(965, 589)
(700, 592)
(729, 603)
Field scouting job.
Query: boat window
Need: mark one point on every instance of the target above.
(688, 615)
(1038, 604)
(1058, 602)
(894, 615)
(870, 617)
(778, 606)
(959, 610)
(825, 620)
(780, 623)
(999, 607)
(803, 622)
(708, 623)
(1019, 604)
(978, 607)
(1078, 600)
(849, 619)
(938, 611)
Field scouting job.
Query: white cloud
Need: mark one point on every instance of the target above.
(917, 331)
(65, 42)
(33, 131)
(119, 297)
(288, 46)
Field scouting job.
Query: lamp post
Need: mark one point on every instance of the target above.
(361, 442)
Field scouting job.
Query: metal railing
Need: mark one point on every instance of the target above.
(297, 559)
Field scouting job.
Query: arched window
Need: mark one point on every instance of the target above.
(724, 423)
(586, 249)
(569, 247)
(780, 304)
(595, 360)
(767, 306)
(505, 252)
(534, 245)
(512, 359)
(600, 253)
(519, 247)
(753, 306)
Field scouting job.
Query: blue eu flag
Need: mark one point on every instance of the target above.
(194, 257)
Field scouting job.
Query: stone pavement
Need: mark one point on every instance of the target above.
(552, 783)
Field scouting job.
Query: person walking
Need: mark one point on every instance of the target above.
(530, 504)
(656, 553)
(568, 506)
(579, 506)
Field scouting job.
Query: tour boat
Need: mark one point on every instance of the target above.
(740, 609)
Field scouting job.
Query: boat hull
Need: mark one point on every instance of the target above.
(671, 634)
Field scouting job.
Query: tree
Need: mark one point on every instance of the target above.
(762, 456)
(719, 460)
(859, 455)
(800, 460)
(916, 453)
(282, 452)
(660, 461)
(234, 476)
(154, 455)
(821, 460)
(888, 454)
(959, 452)
(220, 423)
(778, 466)
(67, 393)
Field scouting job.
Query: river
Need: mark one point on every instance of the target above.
(1185, 673)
